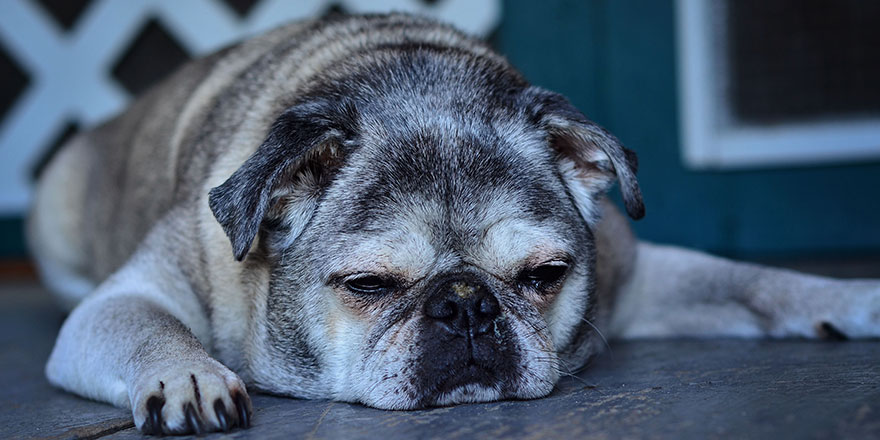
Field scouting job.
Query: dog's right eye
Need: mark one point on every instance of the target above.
(543, 276)
(370, 284)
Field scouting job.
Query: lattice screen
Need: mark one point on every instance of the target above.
(67, 64)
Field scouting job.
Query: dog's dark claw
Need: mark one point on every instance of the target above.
(241, 405)
(192, 419)
(153, 424)
(220, 410)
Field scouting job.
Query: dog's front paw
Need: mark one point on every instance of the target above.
(190, 397)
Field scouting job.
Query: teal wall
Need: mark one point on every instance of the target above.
(615, 60)
(11, 237)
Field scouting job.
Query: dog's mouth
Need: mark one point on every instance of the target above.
(469, 382)
(469, 374)
(460, 371)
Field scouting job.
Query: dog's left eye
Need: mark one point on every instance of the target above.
(544, 275)
(370, 284)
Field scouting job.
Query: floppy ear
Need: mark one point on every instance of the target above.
(302, 135)
(597, 155)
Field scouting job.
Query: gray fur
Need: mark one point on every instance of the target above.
(228, 213)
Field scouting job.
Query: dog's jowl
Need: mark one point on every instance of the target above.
(370, 209)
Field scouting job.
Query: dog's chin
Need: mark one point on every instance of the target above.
(475, 384)
(470, 393)
(470, 384)
(461, 394)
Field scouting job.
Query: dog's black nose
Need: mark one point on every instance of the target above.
(462, 306)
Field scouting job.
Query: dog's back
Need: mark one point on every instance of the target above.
(106, 188)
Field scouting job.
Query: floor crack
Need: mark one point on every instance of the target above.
(94, 431)
(320, 420)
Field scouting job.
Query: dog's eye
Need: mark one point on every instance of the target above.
(543, 276)
(370, 284)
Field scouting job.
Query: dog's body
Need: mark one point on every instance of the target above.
(374, 209)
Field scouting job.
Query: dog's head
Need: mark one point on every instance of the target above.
(425, 219)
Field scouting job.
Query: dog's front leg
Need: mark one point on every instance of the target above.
(134, 343)
(679, 292)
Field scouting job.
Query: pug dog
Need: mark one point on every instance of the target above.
(374, 209)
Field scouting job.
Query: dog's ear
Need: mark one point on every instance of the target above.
(597, 155)
(304, 138)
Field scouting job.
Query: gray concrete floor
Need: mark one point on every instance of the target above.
(643, 389)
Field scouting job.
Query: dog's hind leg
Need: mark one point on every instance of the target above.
(55, 224)
(680, 292)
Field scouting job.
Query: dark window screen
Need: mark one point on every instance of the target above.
(803, 59)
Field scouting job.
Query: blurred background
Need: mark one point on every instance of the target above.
(757, 122)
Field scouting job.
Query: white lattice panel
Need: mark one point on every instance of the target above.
(70, 71)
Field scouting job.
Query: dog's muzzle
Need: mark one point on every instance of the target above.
(465, 340)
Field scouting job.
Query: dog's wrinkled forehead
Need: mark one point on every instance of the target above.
(449, 186)
(467, 173)
(456, 134)
(452, 165)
